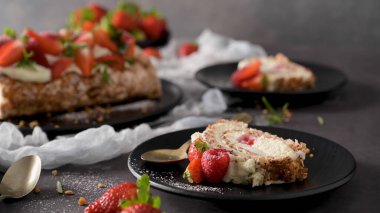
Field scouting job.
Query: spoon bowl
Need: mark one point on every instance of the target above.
(167, 155)
(21, 177)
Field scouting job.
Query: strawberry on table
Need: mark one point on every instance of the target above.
(152, 52)
(37, 54)
(59, 66)
(215, 164)
(47, 44)
(109, 202)
(246, 73)
(187, 48)
(194, 172)
(11, 52)
(153, 25)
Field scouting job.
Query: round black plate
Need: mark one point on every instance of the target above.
(155, 43)
(328, 80)
(331, 167)
(122, 114)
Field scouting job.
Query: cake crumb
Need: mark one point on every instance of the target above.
(37, 190)
(21, 123)
(82, 201)
(311, 155)
(100, 185)
(54, 172)
(69, 192)
(33, 124)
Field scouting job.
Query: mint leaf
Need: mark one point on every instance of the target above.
(201, 146)
(10, 32)
(26, 61)
(143, 189)
(267, 104)
(276, 116)
(156, 202)
(128, 7)
(125, 203)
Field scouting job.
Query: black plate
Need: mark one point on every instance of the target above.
(122, 115)
(331, 167)
(162, 41)
(328, 80)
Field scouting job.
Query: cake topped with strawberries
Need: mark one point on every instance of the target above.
(273, 73)
(230, 151)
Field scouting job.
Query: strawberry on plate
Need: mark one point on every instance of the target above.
(98, 10)
(11, 52)
(196, 149)
(152, 52)
(114, 61)
(215, 164)
(187, 48)
(84, 59)
(47, 44)
(194, 172)
(59, 66)
(126, 16)
(245, 73)
(37, 54)
(255, 83)
(102, 38)
(153, 25)
(86, 38)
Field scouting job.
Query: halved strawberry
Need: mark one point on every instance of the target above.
(86, 38)
(194, 172)
(37, 54)
(88, 26)
(84, 59)
(11, 52)
(152, 52)
(255, 83)
(59, 66)
(196, 149)
(187, 48)
(114, 61)
(130, 49)
(123, 20)
(102, 38)
(245, 73)
(4, 39)
(215, 164)
(98, 10)
(47, 44)
(154, 27)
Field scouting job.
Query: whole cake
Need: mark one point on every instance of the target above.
(273, 73)
(230, 151)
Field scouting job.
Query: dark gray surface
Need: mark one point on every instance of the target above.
(344, 34)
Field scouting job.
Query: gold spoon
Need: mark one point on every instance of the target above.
(21, 178)
(175, 155)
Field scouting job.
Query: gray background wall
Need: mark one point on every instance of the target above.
(268, 22)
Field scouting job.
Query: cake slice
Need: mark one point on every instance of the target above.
(272, 73)
(255, 157)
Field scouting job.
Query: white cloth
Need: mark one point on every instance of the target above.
(103, 143)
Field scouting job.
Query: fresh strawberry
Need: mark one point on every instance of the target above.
(103, 39)
(246, 139)
(86, 38)
(130, 49)
(59, 66)
(4, 39)
(255, 83)
(50, 35)
(46, 43)
(215, 164)
(123, 20)
(84, 59)
(245, 73)
(88, 26)
(37, 54)
(153, 26)
(140, 208)
(98, 10)
(78, 17)
(11, 52)
(114, 61)
(187, 49)
(109, 202)
(196, 149)
(152, 52)
(194, 172)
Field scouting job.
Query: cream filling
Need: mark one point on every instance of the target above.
(39, 74)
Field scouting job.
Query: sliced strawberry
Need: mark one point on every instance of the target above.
(123, 20)
(245, 73)
(194, 172)
(11, 52)
(4, 39)
(38, 55)
(140, 208)
(130, 49)
(59, 66)
(154, 27)
(84, 59)
(98, 10)
(114, 61)
(152, 52)
(88, 26)
(47, 44)
(196, 149)
(66, 34)
(255, 83)
(109, 202)
(187, 48)
(215, 164)
(86, 38)
(50, 35)
(102, 38)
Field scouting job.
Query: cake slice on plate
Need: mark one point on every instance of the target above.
(230, 151)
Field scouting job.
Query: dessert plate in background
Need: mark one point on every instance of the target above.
(331, 166)
(328, 80)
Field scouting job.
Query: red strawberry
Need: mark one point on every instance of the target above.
(245, 73)
(196, 149)
(152, 52)
(109, 202)
(215, 164)
(114, 61)
(98, 10)
(255, 83)
(194, 172)
(123, 20)
(59, 66)
(102, 39)
(86, 38)
(187, 49)
(11, 52)
(46, 43)
(154, 27)
(84, 59)
(140, 208)
(38, 55)
(4, 39)
(88, 26)
(130, 49)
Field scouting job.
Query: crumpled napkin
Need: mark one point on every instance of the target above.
(98, 144)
